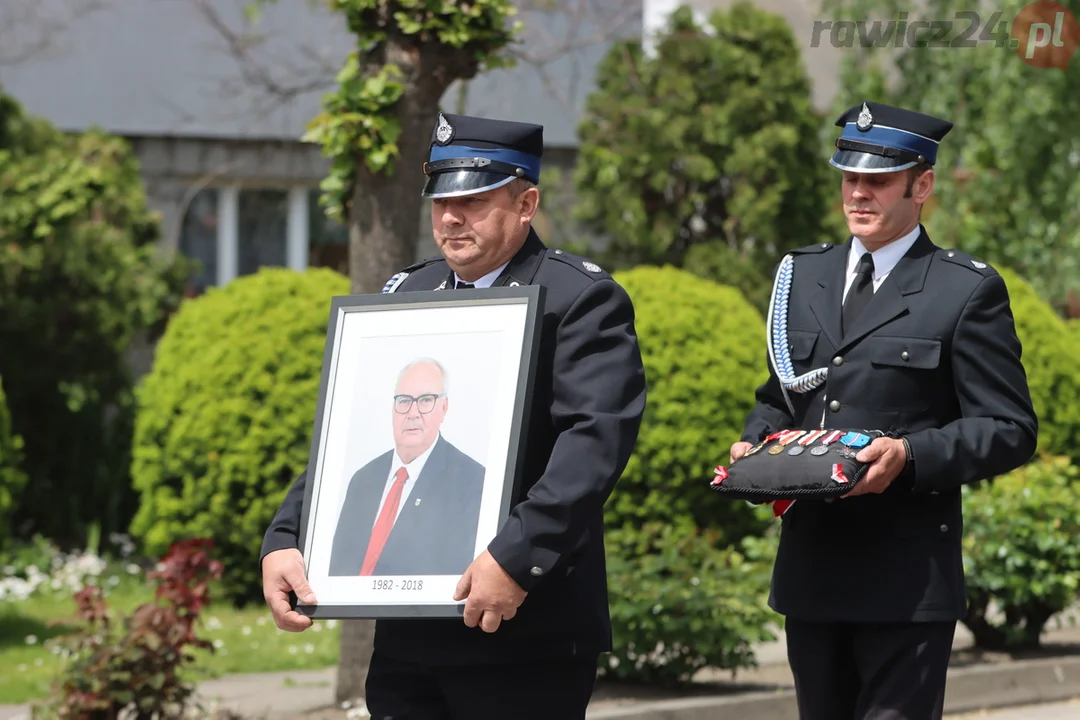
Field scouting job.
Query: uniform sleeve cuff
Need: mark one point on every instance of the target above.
(528, 566)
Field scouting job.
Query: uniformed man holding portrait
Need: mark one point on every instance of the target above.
(536, 615)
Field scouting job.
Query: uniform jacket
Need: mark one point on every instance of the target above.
(588, 400)
(934, 357)
(435, 530)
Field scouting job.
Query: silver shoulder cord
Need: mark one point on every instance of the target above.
(776, 337)
(392, 284)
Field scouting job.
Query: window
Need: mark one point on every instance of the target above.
(262, 220)
(199, 239)
(328, 240)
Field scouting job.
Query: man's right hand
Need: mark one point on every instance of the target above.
(282, 571)
(739, 449)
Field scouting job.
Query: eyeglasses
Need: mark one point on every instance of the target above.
(425, 403)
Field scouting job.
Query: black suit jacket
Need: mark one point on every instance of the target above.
(435, 530)
(589, 396)
(934, 356)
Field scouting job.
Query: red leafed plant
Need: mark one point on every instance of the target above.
(132, 666)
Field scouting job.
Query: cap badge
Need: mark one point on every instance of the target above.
(444, 131)
(865, 119)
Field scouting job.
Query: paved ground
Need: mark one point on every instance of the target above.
(1056, 711)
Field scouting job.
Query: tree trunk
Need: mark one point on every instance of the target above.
(384, 229)
(353, 662)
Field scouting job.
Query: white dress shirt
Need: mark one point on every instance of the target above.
(413, 469)
(885, 258)
(486, 280)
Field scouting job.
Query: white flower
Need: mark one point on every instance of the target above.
(331, 624)
(31, 639)
(246, 630)
(309, 648)
(212, 623)
(219, 643)
(133, 569)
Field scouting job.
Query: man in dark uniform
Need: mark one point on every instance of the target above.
(888, 332)
(536, 615)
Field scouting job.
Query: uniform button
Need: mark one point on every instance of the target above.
(834, 406)
(558, 252)
(904, 355)
(951, 253)
(944, 528)
(838, 361)
(537, 572)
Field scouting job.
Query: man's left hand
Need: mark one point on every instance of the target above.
(887, 458)
(492, 594)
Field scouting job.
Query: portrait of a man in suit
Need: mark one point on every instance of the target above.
(414, 509)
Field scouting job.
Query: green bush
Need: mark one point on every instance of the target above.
(704, 352)
(1050, 358)
(12, 478)
(81, 276)
(685, 604)
(1021, 552)
(226, 415)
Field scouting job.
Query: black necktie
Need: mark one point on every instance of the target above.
(861, 291)
(464, 286)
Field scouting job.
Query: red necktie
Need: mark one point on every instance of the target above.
(384, 523)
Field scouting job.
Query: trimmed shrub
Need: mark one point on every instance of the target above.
(1051, 350)
(703, 347)
(685, 604)
(1021, 552)
(226, 415)
(12, 478)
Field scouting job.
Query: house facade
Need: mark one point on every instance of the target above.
(214, 107)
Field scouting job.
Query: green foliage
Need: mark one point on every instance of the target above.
(686, 604)
(361, 119)
(703, 349)
(1006, 180)
(12, 478)
(1050, 358)
(134, 666)
(80, 277)
(1021, 552)
(225, 416)
(707, 155)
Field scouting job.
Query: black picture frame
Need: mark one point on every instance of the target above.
(418, 568)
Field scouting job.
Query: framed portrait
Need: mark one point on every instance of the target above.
(418, 445)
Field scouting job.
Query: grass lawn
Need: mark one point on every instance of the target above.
(246, 640)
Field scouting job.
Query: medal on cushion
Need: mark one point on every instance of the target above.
(828, 440)
(785, 440)
(852, 442)
(802, 444)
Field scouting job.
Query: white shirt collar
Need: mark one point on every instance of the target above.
(486, 280)
(885, 258)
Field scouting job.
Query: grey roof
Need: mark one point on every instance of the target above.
(159, 67)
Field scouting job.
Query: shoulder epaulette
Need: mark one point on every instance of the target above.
(583, 265)
(815, 248)
(399, 277)
(958, 257)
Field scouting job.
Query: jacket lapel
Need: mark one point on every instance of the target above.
(523, 267)
(827, 304)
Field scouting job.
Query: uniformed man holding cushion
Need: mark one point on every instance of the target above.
(887, 331)
(536, 615)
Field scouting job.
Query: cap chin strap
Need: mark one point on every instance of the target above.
(777, 338)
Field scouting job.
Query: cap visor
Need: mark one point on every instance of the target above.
(855, 161)
(462, 182)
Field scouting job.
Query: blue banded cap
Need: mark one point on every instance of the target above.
(472, 154)
(881, 138)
